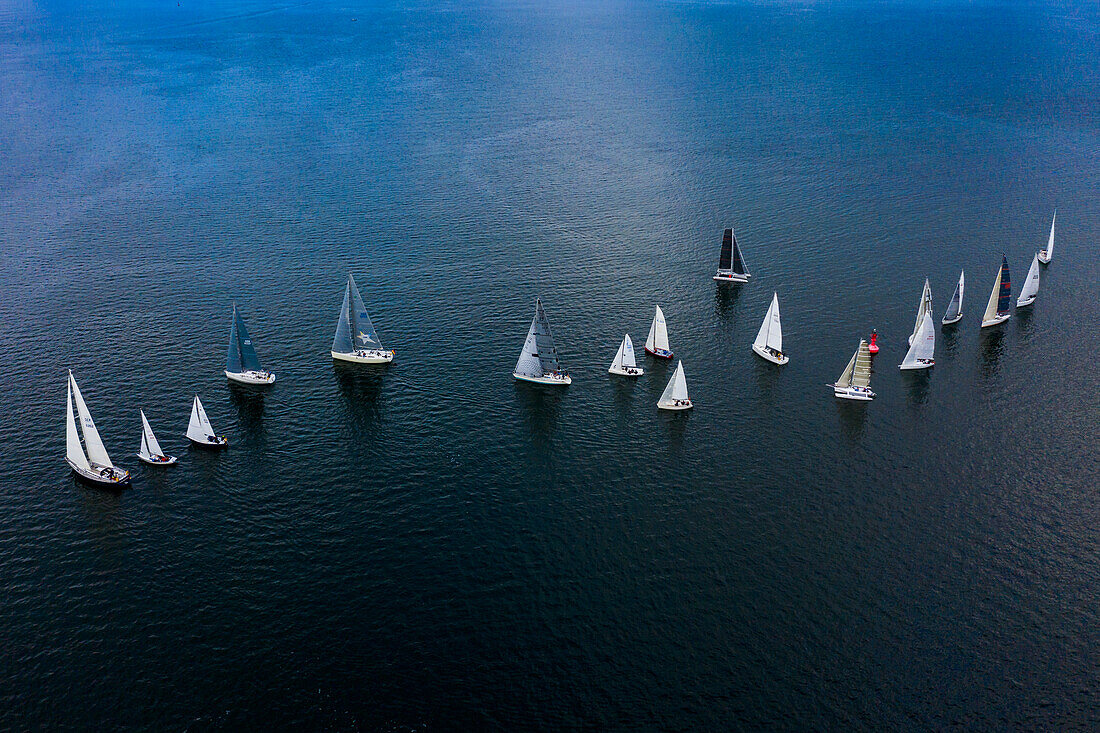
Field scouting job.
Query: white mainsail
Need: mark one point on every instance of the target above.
(923, 346)
(199, 428)
(677, 388)
(770, 335)
(1050, 239)
(624, 357)
(658, 333)
(1031, 284)
(924, 307)
(73, 450)
(991, 306)
(93, 444)
(149, 445)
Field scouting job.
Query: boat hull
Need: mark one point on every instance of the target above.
(1044, 257)
(171, 460)
(260, 379)
(559, 380)
(949, 321)
(920, 364)
(659, 353)
(101, 476)
(724, 276)
(675, 405)
(372, 356)
(1025, 303)
(853, 393)
(626, 371)
(996, 320)
(767, 355)
(217, 443)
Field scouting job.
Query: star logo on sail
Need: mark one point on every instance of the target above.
(364, 337)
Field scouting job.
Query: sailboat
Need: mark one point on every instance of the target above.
(1030, 287)
(1046, 255)
(241, 362)
(675, 396)
(151, 452)
(855, 380)
(954, 308)
(996, 311)
(731, 265)
(924, 307)
(624, 363)
(538, 362)
(769, 340)
(89, 461)
(657, 341)
(356, 340)
(199, 430)
(922, 351)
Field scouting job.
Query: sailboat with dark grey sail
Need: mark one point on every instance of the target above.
(241, 362)
(731, 264)
(89, 461)
(356, 339)
(538, 362)
(955, 307)
(151, 452)
(996, 310)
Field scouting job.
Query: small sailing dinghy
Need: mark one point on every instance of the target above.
(1045, 255)
(538, 362)
(356, 340)
(241, 362)
(151, 452)
(955, 307)
(731, 265)
(657, 341)
(922, 351)
(199, 430)
(624, 363)
(769, 340)
(1030, 287)
(855, 381)
(675, 396)
(996, 311)
(89, 462)
(924, 307)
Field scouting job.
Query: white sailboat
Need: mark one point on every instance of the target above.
(199, 430)
(624, 363)
(921, 354)
(538, 362)
(924, 307)
(675, 396)
(241, 362)
(996, 310)
(89, 461)
(1030, 287)
(1046, 255)
(151, 452)
(356, 340)
(731, 264)
(954, 308)
(855, 380)
(769, 340)
(657, 341)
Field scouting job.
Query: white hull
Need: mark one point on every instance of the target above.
(767, 355)
(1044, 257)
(725, 276)
(626, 371)
(151, 460)
(1025, 303)
(557, 380)
(659, 353)
(371, 356)
(251, 377)
(217, 442)
(675, 405)
(101, 475)
(920, 364)
(956, 319)
(853, 393)
(996, 320)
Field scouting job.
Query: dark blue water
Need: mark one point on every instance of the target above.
(430, 546)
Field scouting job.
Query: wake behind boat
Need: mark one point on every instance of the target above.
(675, 396)
(89, 462)
(1046, 255)
(1030, 289)
(731, 264)
(538, 362)
(855, 380)
(996, 310)
(241, 362)
(151, 452)
(199, 430)
(954, 309)
(624, 364)
(769, 340)
(657, 341)
(356, 340)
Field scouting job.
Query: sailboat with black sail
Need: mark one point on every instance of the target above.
(241, 362)
(731, 263)
(356, 340)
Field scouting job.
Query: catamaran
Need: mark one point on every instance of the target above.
(1045, 255)
(89, 462)
(731, 265)
(924, 307)
(921, 354)
(996, 311)
(538, 362)
(954, 308)
(1030, 287)
(855, 380)
(241, 362)
(199, 430)
(151, 452)
(657, 341)
(356, 340)
(769, 340)
(624, 363)
(675, 396)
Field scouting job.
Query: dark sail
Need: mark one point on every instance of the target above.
(1006, 287)
(726, 257)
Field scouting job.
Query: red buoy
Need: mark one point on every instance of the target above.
(873, 348)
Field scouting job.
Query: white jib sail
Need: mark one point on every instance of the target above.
(924, 307)
(658, 333)
(770, 335)
(1031, 284)
(617, 362)
(677, 388)
(991, 307)
(199, 427)
(528, 364)
(924, 345)
(846, 375)
(628, 359)
(1050, 239)
(73, 450)
(92, 442)
(149, 444)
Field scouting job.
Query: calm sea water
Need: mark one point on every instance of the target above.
(431, 546)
